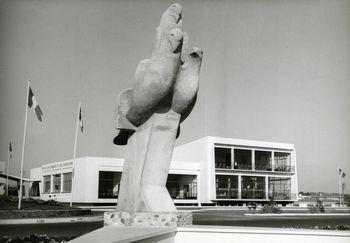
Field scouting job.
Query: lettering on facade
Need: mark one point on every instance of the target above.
(57, 166)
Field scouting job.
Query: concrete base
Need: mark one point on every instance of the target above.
(210, 234)
(148, 219)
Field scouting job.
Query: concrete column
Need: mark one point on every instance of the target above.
(253, 159)
(199, 189)
(51, 183)
(232, 158)
(61, 183)
(273, 160)
(239, 186)
(266, 187)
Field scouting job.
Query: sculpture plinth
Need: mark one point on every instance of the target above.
(148, 122)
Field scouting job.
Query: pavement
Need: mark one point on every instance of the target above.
(51, 220)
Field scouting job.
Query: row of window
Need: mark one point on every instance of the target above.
(252, 187)
(56, 183)
(179, 186)
(234, 158)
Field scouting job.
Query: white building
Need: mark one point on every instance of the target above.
(210, 170)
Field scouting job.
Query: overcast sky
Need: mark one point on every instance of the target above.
(272, 70)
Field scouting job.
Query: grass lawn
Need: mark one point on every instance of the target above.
(11, 203)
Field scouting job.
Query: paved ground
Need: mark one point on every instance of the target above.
(229, 218)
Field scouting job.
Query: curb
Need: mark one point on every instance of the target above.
(51, 220)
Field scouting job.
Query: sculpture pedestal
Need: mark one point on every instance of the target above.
(148, 219)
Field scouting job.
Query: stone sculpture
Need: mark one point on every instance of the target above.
(149, 115)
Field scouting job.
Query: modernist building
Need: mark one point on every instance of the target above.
(210, 170)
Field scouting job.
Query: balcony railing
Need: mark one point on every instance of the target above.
(263, 167)
(282, 196)
(284, 168)
(243, 167)
(253, 194)
(223, 165)
(226, 193)
(277, 168)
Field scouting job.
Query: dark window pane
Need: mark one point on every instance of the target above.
(109, 183)
(263, 160)
(253, 187)
(243, 159)
(223, 158)
(182, 186)
(226, 187)
(57, 183)
(282, 161)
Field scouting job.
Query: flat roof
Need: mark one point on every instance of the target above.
(251, 143)
(14, 178)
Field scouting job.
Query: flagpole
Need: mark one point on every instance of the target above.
(339, 187)
(74, 154)
(23, 144)
(8, 171)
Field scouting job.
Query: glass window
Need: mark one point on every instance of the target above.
(263, 160)
(67, 182)
(57, 183)
(282, 161)
(182, 186)
(253, 187)
(279, 188)
(226, 187)
(243, 159)
(47, 184)
(223, 158)
(109, 184)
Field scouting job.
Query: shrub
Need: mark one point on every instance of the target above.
(271, 207)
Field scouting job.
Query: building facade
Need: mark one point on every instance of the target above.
(237, 171)
(209, 171)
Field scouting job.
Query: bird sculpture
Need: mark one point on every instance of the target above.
(167, 80)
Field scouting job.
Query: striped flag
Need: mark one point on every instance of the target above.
(33, 104)
(342, 174)
(81, 121)
(10, 150)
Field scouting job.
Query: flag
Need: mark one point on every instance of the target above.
(10, 150)
(81, 121)
(33, 103)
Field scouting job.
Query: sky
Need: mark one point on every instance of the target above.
(272, 70)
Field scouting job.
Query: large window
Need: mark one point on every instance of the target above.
(57, 183)
(282, 161)
(263, 160)
(47, 184)
(226, 187)
(223, 158)
(67, 182)
(182, 186)
(109, 183)
(279, 188)
(243, 159)
(253, 187)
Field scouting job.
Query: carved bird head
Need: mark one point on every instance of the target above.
(172, 42)
(196, 53)
(175, 11)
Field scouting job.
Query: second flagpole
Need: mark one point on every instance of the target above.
(7, 170)
(74, 154)
(23, 145)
